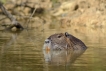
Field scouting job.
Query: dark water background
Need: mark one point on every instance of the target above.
(23, 52)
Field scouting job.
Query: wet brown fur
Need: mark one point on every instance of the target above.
(71, 41)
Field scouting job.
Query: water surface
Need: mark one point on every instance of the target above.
(23, 52)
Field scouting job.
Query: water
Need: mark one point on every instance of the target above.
(23, 52)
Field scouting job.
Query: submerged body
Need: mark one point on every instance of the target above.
(62, 41)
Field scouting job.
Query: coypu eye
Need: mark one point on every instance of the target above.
(59, 36)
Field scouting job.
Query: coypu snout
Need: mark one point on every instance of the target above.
(47, 41)
(47, 44)
(63, 41)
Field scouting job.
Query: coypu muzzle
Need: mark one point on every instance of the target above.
(47, 41)
(47, 44)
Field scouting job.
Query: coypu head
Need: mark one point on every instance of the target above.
(63, 41)
(57, 41)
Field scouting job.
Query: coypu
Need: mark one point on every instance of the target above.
(63, 41)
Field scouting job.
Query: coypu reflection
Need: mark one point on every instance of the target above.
(62, 48)
(61, 57)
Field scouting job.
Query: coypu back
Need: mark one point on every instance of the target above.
(64, 41)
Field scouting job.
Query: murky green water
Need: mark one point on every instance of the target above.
(23, 52)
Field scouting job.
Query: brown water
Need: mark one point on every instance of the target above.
(23, 52)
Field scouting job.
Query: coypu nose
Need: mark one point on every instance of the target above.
(46, 41)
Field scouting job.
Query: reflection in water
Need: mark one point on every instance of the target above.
(17, 52)
(10, 42)
(61, 57)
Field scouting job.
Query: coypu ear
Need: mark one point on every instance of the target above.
(66, 34)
